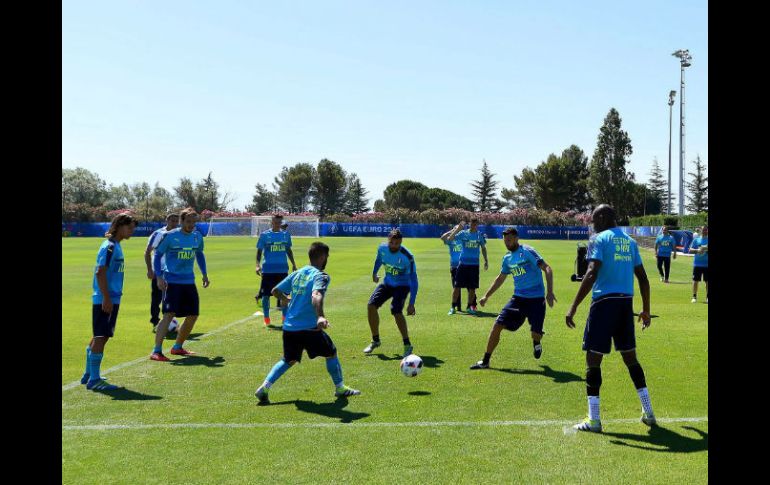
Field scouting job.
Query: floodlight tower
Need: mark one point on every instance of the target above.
(684, 60)
(671, 96)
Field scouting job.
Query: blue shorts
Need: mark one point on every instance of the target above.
(270, 281)
(103, 324)
(181, 300)
(467, 276)
(610, 318)
(453, 272)
(315, 342)
(383, 292)
(518, 309)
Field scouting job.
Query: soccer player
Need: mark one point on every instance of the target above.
(700, 268)
(276, 245)
(665, 248)
(172, 221)
(455, 248)
(108, 288)
(181, 247)
(468, 269)
(529, 295)
(613, 260)
(303, 328)
(400, 280)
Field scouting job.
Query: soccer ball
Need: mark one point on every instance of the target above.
(173, 326)
(411, 365)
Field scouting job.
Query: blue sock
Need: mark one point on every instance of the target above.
(177, 346)
(87, 373)
(277, 371)
(335, 370)
(266, 305)
(95, 362)
(158, 349)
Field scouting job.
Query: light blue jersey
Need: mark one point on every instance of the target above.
(274, 246)
(665, 244)
(300, 285)
(472, 243)
(455, 248)
(527, 276)
(619, 255)
(400, 269)
(181, 251)
(700, 260)
(110, 255)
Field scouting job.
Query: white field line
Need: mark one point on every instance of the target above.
(429, 424)
(74, 384)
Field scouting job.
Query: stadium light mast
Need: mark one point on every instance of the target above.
(684, 61)
(671, 96)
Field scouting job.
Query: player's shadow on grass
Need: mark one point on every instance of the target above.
(427, 360)
(331, 409)
(192, 336)
(665, 440)
(419, 393)
(559, 377)
(123, 394)
(483, 314)
(200, 360)
(274, 327)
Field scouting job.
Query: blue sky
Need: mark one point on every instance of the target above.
(156, 90)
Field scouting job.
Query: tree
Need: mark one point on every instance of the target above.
(642, 200)
(575, 164)
(119, 197)
(524, 194)
(406, 194)
(328, 188)
(436, 198)
(356, 196)
(608, 179)
(205, 194)
(293, 187)
(81, 186)
(185, 193)
(379, 206)
(658, 186)
(484, 190)
(263, 201)
(698, 188)
(159, 203)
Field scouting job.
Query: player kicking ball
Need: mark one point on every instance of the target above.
(529, 295)
(303, 328)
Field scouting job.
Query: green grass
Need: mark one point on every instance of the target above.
(217, 386)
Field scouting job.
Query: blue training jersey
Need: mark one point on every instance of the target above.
(700, 260)
(666, 245)
(400, 269)
(110, 255)
(472, 242)
(455, 248)
(181, 251)
(619, 255)
(300, 285)
(274, 246)
(527, 276)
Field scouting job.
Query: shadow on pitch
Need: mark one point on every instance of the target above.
(123, 394)
(664, 439)
(333, 409)
(559, 377)
(192, 336)
(200, 360)
(427, 360)
(419, 393)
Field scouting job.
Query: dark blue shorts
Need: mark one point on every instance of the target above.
(517, 309)
(383, 292)
(453, 272)
(270, 281)
(315, 342)
(610, 318)
(181, 300)
(103, 324)
(700, 273)
(467, 276)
